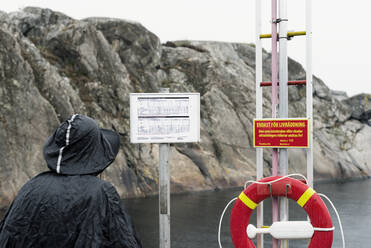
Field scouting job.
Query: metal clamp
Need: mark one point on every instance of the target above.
(287, 37)
(270, 189)
(278, 20)
(288, 186)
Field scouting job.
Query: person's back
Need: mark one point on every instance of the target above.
(69, 206)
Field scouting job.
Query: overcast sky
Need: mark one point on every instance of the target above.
(341, 30)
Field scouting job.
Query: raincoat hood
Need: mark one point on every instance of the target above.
(80, 147)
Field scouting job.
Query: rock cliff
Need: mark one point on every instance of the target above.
(52, 66)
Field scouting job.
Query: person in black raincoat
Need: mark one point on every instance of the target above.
(69, 206)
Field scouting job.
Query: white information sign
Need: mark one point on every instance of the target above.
(164, 117)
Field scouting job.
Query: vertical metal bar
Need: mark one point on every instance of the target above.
(259, 111)
(274, 106)
(164, 192)
(309, 92)
(284, 101)
(274, 69)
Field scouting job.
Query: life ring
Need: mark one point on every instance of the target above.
(298, 191)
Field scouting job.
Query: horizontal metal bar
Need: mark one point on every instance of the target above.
(297, 33)
(264, 36)
(289, 34)
(296, 82)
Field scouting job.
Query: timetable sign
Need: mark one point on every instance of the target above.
(164, 117)
(281, 133)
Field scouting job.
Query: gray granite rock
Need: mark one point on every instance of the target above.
(339, 95)
(52, 66)
(361, 107)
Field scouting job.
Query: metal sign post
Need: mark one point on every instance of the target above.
(283, 105)
(164, 191)
(274, 108)
(309, 91)
(259, 111)
(164, 196)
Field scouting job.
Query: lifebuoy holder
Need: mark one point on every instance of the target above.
(288, 187)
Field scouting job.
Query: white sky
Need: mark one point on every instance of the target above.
(341, 36)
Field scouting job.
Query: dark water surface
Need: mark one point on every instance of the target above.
(195, 217)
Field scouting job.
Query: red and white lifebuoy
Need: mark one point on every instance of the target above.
(300, 192)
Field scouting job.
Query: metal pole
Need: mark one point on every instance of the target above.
(259, 111)
(274, 107)
(164, 191)
(309, 92)
(284, 101)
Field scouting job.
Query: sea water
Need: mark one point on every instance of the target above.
(195, 216)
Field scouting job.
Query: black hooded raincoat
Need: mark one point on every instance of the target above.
(69, 206)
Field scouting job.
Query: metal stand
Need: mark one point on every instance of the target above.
(309, 92)
(259, 112)
(284, 101)
(283, 37)
(164, 192)
(274, 108)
